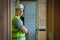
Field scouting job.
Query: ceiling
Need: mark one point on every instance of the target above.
(32, 0)
(27, 0)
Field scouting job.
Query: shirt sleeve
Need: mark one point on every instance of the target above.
(18, 23)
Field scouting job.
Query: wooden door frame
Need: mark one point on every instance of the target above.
(9, 19)
(9, 13)
(50, 12)
(5, 20)
(7, 7)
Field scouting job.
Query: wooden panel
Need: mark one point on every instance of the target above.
(9, 20)
(1, 20)
(50, 19)
(4, 28)
(42, 16)
(42, 35)
(57, 20)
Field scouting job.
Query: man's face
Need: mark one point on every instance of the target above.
(21, 11)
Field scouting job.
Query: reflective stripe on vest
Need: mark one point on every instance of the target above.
(15, 34)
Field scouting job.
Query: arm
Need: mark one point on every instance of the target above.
(23, 29)
(20, 26)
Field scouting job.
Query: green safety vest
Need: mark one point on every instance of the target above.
(17, 35)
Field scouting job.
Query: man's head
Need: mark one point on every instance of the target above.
(19, 11)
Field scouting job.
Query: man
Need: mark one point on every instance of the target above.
(18, 29)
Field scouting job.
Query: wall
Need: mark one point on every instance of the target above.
(13, 8)
(30, 18)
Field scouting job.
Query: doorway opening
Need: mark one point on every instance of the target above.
(35, 15)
